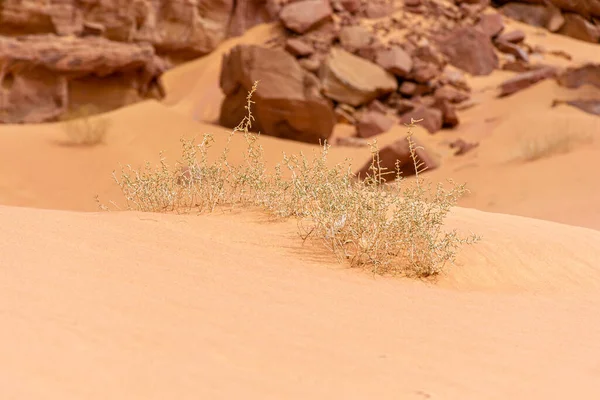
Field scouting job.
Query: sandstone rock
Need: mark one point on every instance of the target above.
(37, 71)
(352, 80)
(470, 50)
(298, 47)
(577, 27)
(511, 48)
(394, 60)
(574, 77)
(303, 15)
(399, 152)
(378, 106)
(449, 114)
(311, 64)
(373, 123)
(451, 94)
(525, 79)
(490, 24)
(432, 118)
(345, 114)
(378, 8)
(288, 103)
(546, 16)
(355, 37)
(516, 36)
(183, 29)
(351, 6)
(462, 147)
(408, 88)
(424, 72)
(590, 106)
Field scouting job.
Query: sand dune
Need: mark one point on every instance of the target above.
(128, 305)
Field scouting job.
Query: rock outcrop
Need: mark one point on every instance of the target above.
(36, 71)
(54, 52)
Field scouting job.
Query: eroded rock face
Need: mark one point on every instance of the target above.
(36, 71)
(49, 48)
(288, 103)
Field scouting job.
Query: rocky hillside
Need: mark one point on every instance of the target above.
(369, 63)
(378, 63)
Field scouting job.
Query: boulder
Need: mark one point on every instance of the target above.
(578, 27)
(470, 50)
(490, 24)
(288, 103)
(355, 37)
(298, 47)
(432, 118)
(398, 153)
(394, 60)
(301, 16)
(349, 79)
(373, 123)
(525, 80)
(574, 77)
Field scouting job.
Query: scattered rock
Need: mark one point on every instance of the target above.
(574, 77)
(311, 64)
(470, 50)
(352, 6)
(578, 27)
(590, 106)
(399, 153)
(352, 80)
(432, 118)
(355, 37)
(449, 115)
(511, 48)
(394, 60)
(490, 24)
(301, 16)
(345, 114)
(525, 80)
(378, 8)
(288, 103)
(298, 47)
(451, 94)
(373, 123)
(516, 36)
(462, 147)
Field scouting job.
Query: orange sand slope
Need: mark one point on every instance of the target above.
(145, 306)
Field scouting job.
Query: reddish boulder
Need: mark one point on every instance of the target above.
(398, 153)
(298, 47)
(511, 48)
(301, 16)
(451, 94)
(394, 60)
(432, 118)
(355, 37)
(470, 50)
(574, 77)
(373, 123)
(350, 79)
(525, 80)
(490, 24)
(288, 103)
(516, 36)
(578, 27)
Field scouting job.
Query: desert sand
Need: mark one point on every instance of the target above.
(127, 305)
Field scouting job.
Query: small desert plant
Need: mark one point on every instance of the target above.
(82, 128)
(551, 144)
(395, 229)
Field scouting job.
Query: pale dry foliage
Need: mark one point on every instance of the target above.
(389, 229)
(552, 144)
(83, 128)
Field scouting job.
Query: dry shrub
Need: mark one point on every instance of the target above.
(83, 128)
(552, 144)
(389, 229)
